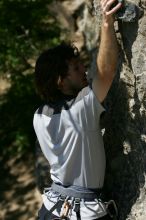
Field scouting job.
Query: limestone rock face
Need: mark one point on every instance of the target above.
(125, 133)
(125, 121)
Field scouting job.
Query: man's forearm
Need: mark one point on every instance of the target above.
(107, 58)
(108, 50)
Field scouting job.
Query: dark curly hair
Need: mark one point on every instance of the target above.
(51, 64)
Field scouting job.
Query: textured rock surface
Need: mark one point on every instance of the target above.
(125, 134)
(125, 127)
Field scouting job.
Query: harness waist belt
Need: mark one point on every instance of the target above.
(76, 191)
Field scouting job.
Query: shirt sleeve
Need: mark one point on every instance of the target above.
(87, 109)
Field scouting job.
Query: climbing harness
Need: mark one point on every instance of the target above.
(69, 199)
(112, 209)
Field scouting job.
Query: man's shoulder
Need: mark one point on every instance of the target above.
(53, 108)
(45, 109)
(65, 103)
(85, 91)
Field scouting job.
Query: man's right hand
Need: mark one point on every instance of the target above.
(109, 8)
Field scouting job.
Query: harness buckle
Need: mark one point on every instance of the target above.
(112, 208)
(77, 204)
(62, 198)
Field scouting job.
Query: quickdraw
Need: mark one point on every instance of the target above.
(66, 208)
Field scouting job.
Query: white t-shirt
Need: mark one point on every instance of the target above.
(70, 137)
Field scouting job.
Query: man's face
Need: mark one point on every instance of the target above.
(76, 77)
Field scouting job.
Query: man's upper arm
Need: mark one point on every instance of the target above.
(101, 86)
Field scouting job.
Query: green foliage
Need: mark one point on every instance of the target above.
(26, 28)
(16, 116)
